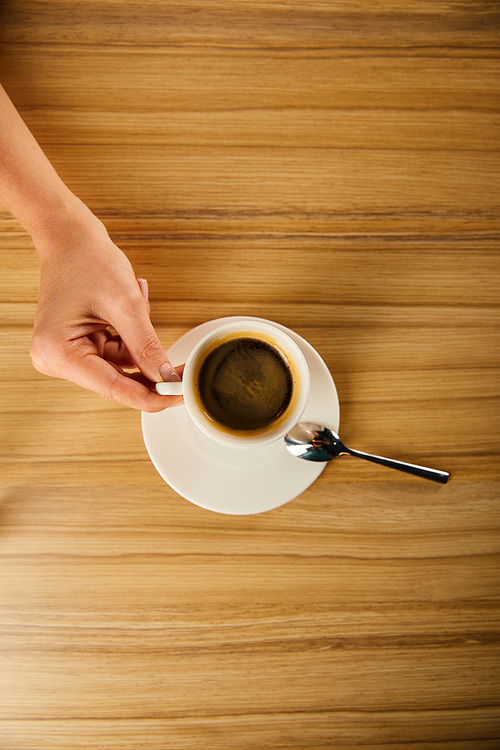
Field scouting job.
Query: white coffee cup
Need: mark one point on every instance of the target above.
(268, 342)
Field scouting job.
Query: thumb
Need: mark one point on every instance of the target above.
(142, 342)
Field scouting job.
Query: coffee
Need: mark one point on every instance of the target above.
(245, 384)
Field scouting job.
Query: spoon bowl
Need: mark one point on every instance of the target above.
(314, 442)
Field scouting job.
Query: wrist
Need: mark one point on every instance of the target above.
(66, 223)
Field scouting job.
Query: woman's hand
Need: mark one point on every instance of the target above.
(87, 285)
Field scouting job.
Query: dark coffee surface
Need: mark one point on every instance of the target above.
(245, 384)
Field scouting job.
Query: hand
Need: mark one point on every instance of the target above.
(87, 285)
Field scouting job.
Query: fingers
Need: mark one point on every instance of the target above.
(112, 349)
(81, 364)
(84, 362)
(134, 391)
(108, 380)
(130, 318)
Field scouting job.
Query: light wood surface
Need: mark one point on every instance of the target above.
(333, 166)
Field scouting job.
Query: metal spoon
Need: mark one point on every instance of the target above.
(317, 443)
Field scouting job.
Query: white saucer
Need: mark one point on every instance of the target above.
(236, 481)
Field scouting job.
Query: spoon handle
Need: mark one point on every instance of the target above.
(419, 471)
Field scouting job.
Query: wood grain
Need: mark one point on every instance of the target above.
(333, 166)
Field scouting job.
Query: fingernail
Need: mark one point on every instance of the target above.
(169, 374)
(143, 285)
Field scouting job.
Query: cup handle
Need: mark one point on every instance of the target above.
(173, 388)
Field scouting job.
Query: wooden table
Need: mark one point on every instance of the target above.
(333, 166)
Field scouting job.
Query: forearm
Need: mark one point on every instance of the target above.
(30, 187)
